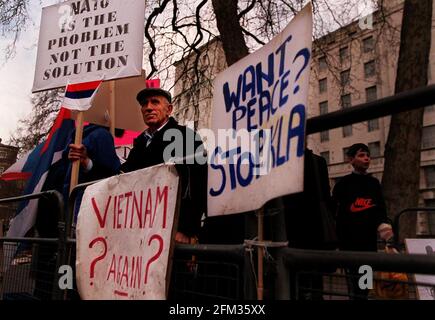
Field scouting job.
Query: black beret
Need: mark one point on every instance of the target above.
(153, 92)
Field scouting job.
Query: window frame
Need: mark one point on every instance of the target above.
(369, 69)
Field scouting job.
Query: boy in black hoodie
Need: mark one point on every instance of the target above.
(361, 209)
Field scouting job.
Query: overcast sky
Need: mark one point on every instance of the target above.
(15, 84)
(16, 75)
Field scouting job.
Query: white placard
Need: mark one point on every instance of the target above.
(262, 98)
(423, 246)
(124, 234)
(87, 40)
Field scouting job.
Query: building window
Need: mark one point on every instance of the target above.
(375, 149)
(344, 54)
(347, 131)
(323, 85)
(429, 174)
(323, 107)
(1, 170)
(345, 77)
(368, 44)
(372, 125)
(369, 69)
(430, 217)
(325, 155)
(346, 101)
(428, 137)
(345, 157)
(322, 64)
(324, 136)
(371, 94)
(2, 154)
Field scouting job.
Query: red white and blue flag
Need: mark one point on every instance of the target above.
(79, 96)
(20, 170)
(35, 166)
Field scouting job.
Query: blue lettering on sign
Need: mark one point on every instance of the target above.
(255, 81)
(269, 76)
(261, 90)
(284, 133)
(215, 166)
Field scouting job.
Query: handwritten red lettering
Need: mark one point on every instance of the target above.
(155, 256)
(101, 220)
(159, 197)
(114, 212)
(131, 210)
(126, 271)
(127, 197)
(148, 209)
(138, 208)
(119, 211)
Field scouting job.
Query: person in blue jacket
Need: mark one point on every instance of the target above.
(102, 158)
(149, 149)
(97, 156)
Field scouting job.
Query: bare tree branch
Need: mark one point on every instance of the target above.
(148, 25)
(14, 16)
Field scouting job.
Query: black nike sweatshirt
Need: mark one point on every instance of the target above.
(360, 210)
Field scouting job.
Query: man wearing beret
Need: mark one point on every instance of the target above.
(151, 148)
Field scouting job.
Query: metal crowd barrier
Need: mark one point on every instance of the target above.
(290, 272)
(28, 265)
(396, 222)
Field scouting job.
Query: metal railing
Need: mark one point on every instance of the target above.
(396, 222)
(405, 101)
(284, 264)
(30, 264)
(226, 271)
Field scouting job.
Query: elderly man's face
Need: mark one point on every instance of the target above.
(155, 111)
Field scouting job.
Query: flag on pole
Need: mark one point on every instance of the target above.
(23, 168)
(79, 96)
(37, 164)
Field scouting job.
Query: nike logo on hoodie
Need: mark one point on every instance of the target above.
(361, 204)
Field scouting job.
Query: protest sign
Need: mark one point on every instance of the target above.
(84, 40)
(259, 120)
(423, 246)
(124, 235)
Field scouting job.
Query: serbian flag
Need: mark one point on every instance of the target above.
(37, 164)
(79, 96)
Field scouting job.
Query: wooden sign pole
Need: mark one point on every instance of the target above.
(260, 288)
(112, 107)
(78, 140)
